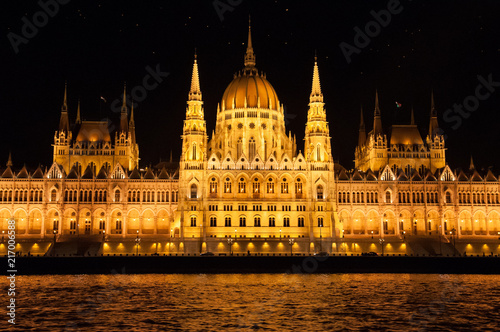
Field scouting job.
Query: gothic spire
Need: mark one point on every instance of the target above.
(64, 121)
(433, 122)
(412, 119)
(471, 165)
(131, 124)
(377, 121)
(249, 55)
(362, 130)
(124, 111)
(316, 95)
(195, 92)
(124, 101)
(64, 107)
(78, 119)
(9, 161)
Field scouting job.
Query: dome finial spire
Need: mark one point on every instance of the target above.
(249, 55)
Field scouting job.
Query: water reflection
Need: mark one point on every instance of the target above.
(271, 302)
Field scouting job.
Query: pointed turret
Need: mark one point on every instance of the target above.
(131, 124)
(317, 135)
(194, 131)
(316, 95)
(433, 122)
(471, 165)
(9, 161)
(249, 55)
(195, 92)
(377, 120)
(412, 119)
(362, 130)
(124, 111)
(78, 120)
(64, 121)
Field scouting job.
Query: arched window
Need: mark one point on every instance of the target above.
(272, 222)
(318, 152)
(117, 196)
(298, 187)
(227, 222)
(194, 191)
(213, 186)
(319, 192)
(227, 185)
(448, 197)
(213, 221)
(243, 221)
(286, 222)
(270, 186)
(193, 221)
(256, 221)
(388, 198)
(251, 148)
(300, 222)
(242, 186)
(53, 195)
(256, 186)
(284, 187)
(320, 221)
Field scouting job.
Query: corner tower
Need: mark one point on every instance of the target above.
(317, 144)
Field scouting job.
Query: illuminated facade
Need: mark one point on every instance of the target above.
(247, 187)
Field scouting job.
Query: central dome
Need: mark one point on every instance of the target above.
(252, 89)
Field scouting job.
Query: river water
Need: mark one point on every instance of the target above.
(256, 302)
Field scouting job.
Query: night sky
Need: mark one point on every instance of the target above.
(98, 45)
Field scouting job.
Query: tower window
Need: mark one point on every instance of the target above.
(319, 192)
(194, 191)
(388, 197)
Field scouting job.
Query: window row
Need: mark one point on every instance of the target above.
(152, 196)
(21, 195)
(242, 222)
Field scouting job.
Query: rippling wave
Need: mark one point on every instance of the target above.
(243, 302)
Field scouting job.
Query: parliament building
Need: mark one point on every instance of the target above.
(248, 188)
